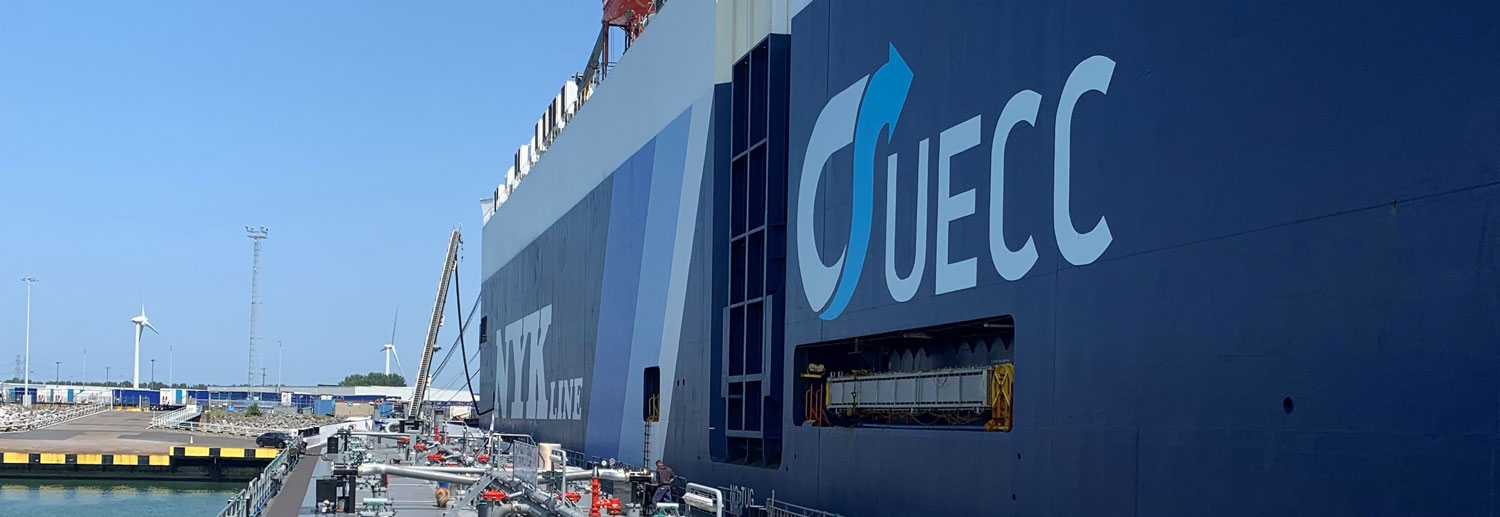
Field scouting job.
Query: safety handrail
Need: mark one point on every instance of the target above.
(775, 508)
(252, 500)
(176, 417)
(696, 495)
(736, 498)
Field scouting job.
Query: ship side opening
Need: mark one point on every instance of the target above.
(947, 377)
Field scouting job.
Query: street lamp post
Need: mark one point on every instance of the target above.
(26, 383)
(57, 373)
(106, 375)
(153, 373)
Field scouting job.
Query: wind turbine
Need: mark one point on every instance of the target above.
(390, 347)
(139, 321)
(390, 351)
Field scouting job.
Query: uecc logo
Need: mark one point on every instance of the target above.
(857, 114)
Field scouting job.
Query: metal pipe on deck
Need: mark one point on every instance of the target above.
(547, 501)
(456, 452)
(604, 474)
(455, 470)
(518, 509)
(443, 475)
(380, 434)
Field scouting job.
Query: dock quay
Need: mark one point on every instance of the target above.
(119, 445)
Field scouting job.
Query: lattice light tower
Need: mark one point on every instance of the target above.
(256, 234)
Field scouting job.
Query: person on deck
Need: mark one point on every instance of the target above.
(664, 478)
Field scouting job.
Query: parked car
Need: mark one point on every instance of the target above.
(275, 439)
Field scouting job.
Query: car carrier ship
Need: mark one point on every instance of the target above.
(1016, 257)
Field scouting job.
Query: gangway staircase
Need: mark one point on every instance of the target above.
(177, 418)
(429, 346)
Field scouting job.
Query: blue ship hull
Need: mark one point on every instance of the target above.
(1261, 277)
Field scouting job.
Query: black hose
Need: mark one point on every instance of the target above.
(449, 356)
(463, 352)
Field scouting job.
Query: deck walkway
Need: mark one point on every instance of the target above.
(410, 497)
(290, 502)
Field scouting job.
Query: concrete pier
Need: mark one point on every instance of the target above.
(118, 444)
(110, 432)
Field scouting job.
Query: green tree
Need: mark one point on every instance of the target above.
(373, 379)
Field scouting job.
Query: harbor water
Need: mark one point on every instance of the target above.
(49, 498)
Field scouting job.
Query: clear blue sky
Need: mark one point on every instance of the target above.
(137, 139)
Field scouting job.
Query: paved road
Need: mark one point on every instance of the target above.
(110, 432)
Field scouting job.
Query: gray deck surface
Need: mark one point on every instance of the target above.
(110, 432)
(410, 497)
(298, 486)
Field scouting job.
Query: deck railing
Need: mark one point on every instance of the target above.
(252, 500)
(736, 498)
(575, 92)
(775, 508)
